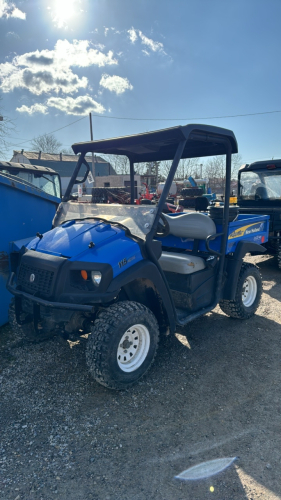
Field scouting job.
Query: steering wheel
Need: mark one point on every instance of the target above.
(163, 227)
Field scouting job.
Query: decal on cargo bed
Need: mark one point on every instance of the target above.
(245, 230)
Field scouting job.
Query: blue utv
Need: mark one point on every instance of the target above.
(129, 273)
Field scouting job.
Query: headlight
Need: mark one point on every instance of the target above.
(96, 277)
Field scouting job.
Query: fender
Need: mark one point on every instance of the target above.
(145, 270)
(233, 266)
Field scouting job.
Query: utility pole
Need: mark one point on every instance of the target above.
(156, 175)
(149, 174)
(93, 157)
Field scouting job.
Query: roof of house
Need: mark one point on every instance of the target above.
(39, 155)
(22, 167)
(65, 164)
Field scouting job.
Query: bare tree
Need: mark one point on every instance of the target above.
(46, 143)
(187, 167)
(6, 127)
(120, 164)
(214, 170)
(67, 151)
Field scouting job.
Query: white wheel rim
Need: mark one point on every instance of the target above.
(133, 348)
(249, 291)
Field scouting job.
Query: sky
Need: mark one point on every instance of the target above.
(139, 66)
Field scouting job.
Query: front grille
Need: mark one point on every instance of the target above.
(42, 279)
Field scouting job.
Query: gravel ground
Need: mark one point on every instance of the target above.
(213, 392)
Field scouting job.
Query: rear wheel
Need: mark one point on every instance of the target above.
(122, 345)
(248, 294)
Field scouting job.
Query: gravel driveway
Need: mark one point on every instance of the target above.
(213, 392)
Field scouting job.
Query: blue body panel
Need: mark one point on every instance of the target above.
(24, 211)
(71, 240)
(247, 227)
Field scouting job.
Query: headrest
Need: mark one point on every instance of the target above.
(191, 225)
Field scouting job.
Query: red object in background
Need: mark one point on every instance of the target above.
(170, 208)
(146, 196)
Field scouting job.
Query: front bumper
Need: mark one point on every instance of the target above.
(100, 298)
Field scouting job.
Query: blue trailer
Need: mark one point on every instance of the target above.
(29, 197)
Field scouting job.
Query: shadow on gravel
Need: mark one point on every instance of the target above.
(268, 265)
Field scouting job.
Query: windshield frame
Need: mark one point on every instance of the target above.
(260, 175)
(137, 219)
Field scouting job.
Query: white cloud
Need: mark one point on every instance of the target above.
(115, 83)
(8, 9)
(43, 80)
(67, 54)
(35, 108)
(154, 46)
(12, 34)
(133, 35)
(99, 46)
(18, 13)
(151, 44)
(50, 70)
(82, 105)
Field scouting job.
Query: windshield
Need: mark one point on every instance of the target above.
(44, 181)
(261, 185)
(138, 219)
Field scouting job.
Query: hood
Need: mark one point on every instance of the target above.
(73, 238)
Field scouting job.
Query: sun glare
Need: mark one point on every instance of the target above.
(63, 11)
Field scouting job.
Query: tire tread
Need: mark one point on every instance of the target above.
(103, 330)
(234, 308)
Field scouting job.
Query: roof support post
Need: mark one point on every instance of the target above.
(225, 218)
(132, 181)
(166, 189)
(73, 177)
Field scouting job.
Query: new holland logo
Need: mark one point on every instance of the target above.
(32, 278)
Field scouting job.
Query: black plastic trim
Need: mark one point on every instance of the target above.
(233, 266)
(146, 270)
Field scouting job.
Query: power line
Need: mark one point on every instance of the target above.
(186, 119)
(154, 119)
(49, 133)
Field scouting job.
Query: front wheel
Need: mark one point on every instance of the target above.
(248, 294)
(122, 345)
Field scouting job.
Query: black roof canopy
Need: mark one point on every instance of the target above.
(162, 144)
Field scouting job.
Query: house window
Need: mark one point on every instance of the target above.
(106, 184)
